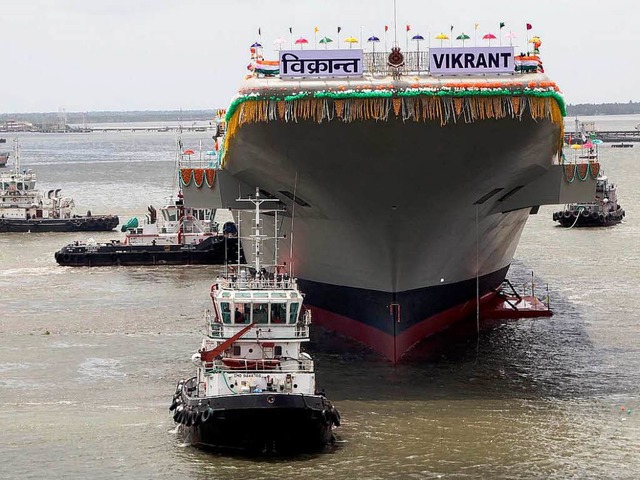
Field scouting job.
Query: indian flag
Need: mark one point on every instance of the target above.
(267, 67)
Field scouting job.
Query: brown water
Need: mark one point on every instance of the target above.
(89, 358)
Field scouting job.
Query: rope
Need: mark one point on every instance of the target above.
(580, 209)
(224, 377)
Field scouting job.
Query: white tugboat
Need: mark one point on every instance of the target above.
(254, 388)
(24, 208)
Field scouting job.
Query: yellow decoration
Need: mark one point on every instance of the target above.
(442, 109)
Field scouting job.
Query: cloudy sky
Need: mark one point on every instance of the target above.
(85, 55)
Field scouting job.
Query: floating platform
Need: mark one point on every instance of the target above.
(622, 145)
(509, 304)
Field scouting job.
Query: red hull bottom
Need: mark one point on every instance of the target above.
(394, 347)
(492, 307)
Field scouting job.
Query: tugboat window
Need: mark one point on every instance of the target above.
(226, 312)
(293, 312)
(277, 351)
(242, 313)
(278, 312)
(260, 313)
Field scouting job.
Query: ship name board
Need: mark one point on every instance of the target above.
(321, 63)
(471, 60)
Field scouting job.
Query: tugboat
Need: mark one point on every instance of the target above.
(603, 212)
(254, 389)
(181, 236)
(25, 209)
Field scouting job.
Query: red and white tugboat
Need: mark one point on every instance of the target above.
(254, 389)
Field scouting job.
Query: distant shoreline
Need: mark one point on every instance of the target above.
(80, 118)
(184, 116)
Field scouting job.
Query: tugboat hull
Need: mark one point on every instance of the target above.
(259, 423)
(588, 218)
(212, 251)
(98, 223)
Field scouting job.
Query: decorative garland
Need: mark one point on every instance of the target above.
(200, 176)
(447, 103)
(582, 171)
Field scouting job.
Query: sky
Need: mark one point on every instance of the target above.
(88, 55)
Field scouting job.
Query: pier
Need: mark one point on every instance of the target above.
(610, 136)
(138, 128)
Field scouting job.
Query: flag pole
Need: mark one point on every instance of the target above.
(406, 36)
(385, 39)
(395, 24)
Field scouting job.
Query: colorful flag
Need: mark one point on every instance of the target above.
(476, 26)
(408, 27)
(529, 27)
(267, 67)
(316, 29)
(386, 28)
(339, 29)
(501, 24)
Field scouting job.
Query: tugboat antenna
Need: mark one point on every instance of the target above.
(293, 215)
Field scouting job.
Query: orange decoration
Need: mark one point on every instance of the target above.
(185, 173)
(210, 175)
(569, 171)
(582, 169)
(198, 177)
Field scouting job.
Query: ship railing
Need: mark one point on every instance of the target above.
(297, 331)
(206, 161)
(239, 283)
(299, 366)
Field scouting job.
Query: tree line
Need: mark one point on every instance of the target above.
(79, 118)
(583, 109)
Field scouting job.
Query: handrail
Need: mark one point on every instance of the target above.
(218, 366)
(238, 283)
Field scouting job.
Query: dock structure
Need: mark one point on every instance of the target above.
(114, 128)
(609, 136)
(146, 128)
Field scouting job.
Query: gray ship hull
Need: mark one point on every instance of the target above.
(396, 221)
